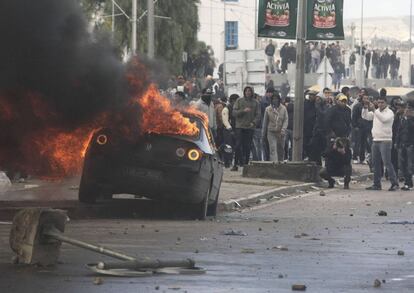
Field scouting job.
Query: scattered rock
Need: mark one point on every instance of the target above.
(382, 213)
(178, 239)
(174, 288)
(247, 250)
(377, 283)
(260, 229)
(261, 201)
(157, 230)
(196, 251)
(298, 236)
(275, 220)
(157, 287)
(368, 204)
(98, 281)
(383, 281)
(297, 287)
(142, 226)
(400, 252)
(232, 232)
(322, 193)
(280, 276)
(315, 239)
(304, 235)
(351, 215)
(280, 247)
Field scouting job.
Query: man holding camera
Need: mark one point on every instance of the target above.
(382, 118)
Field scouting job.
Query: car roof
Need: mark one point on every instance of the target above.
(398, 91)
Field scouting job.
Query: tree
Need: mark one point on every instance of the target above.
(173, 36)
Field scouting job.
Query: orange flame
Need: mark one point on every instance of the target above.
(158, 116)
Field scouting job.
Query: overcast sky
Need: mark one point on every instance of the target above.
(375, 8)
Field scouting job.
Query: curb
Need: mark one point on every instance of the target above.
(276, 194)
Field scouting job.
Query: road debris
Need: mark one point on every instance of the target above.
(232, 232)
(297, 287)
(247, 250)
(98, 281)
(322, 193)
(400, 222)
(377, 283)
(382, 213)
(280, 247)
(401, 252)
(275, 220)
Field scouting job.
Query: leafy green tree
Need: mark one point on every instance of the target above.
(173, 36)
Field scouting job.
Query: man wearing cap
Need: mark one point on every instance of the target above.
(338, 119)
(382, 118)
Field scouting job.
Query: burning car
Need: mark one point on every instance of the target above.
(184, 169)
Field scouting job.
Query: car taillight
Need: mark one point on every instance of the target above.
(180, 152)
(194, 155)
(102, 139)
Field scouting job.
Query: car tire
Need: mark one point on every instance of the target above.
(88, 192)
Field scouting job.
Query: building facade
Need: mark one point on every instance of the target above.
(228, 25)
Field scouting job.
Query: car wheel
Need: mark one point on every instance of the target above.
(88, 192)
(200, 209)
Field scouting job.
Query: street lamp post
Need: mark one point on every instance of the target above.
(361, 65)
(299, 84)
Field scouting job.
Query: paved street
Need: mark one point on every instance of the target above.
(336, 243)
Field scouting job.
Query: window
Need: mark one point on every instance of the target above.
(232, 34)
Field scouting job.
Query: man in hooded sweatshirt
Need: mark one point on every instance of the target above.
(247, 113)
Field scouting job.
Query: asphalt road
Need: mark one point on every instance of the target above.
(335, 243)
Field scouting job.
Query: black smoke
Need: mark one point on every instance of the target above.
(46, 48)
(48, 52)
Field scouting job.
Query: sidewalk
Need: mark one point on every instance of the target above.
(236, 192)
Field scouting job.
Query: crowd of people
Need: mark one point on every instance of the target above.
(338, 129)
(378, 64)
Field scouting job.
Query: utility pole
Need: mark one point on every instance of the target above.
(134, 28)
(299, 84)
(361, 65)
(113, 19)
(256, 33)
(353, 27)
(151, 30)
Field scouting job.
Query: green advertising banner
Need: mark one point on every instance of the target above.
(277, 19)
(325, 20)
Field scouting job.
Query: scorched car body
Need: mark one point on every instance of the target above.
(172, 168)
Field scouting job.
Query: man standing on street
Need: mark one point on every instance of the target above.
(270, 54)
(383, 119)
(246, 110)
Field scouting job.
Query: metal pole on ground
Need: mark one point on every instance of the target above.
(299, 84)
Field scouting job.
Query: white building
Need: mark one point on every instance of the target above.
(239, 31)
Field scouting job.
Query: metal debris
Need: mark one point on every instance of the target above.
(247, 250)
(297, 287)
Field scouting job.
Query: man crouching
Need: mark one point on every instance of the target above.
(338, 162)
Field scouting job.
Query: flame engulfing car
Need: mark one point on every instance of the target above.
(174, 168)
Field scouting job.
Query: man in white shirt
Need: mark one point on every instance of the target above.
(383, 118)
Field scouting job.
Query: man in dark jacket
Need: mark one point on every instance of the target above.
(338, 162)
(338, 120)
(309, 122)
(289, 131)
(318, 141)
(247, 112)
(367, 62)
(284, 56)
(270, 52)
(361, 128)
(405, 145)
